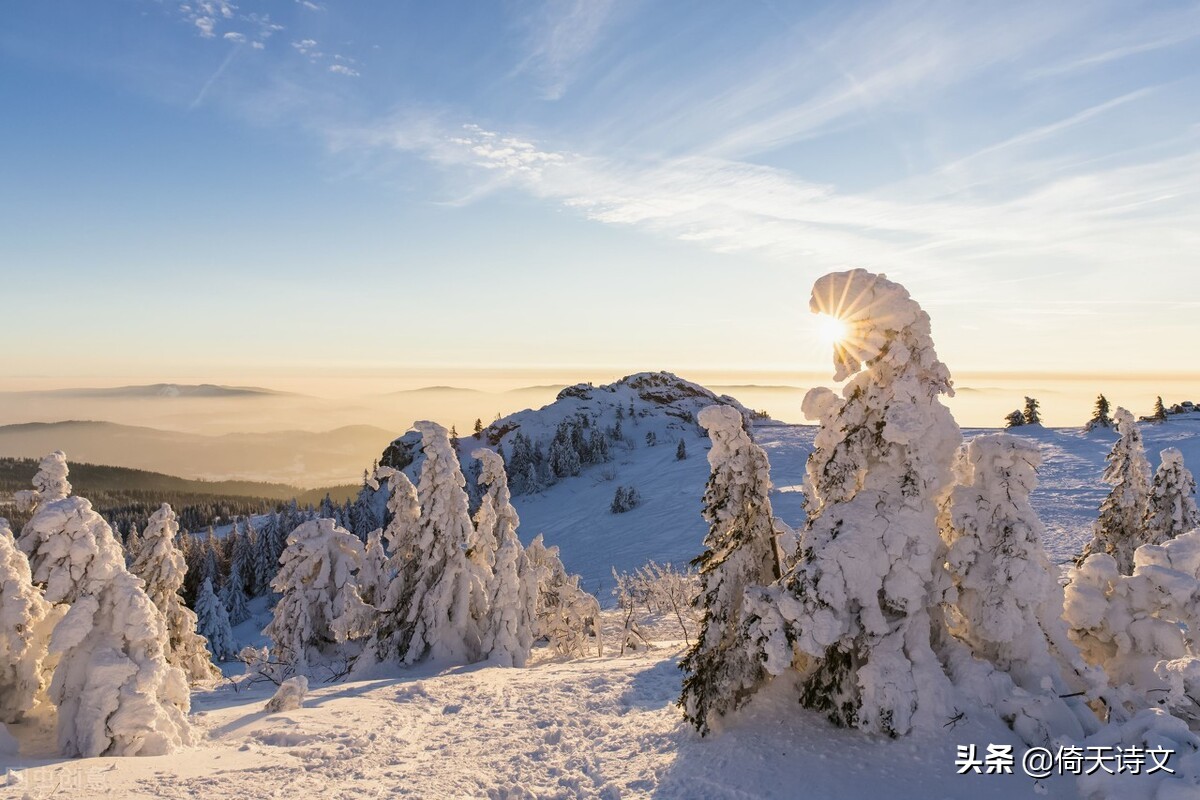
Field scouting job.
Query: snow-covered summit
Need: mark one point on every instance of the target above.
(567, 460)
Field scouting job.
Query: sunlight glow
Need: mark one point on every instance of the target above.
(830, 329)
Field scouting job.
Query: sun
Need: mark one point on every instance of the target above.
(830, 329)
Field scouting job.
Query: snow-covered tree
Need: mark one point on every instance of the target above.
(1119, 530)
(212, 621)
(1100, 415)
(1032, 412)
(855, 614)
(723, 668)
(680, 451)
(26, 620)
(1132, 624)
(133, 544)
(405, 546)
(116, 692)
(373, 575)
(1006, 604)
(567, 616)
(266, 555)
(241, 570)
(162, 568)
(1171, 505)
(1159, 414)
(363, 517)
(443, 628)
(1015, 419)
(320, 608)
(511, 598)
(49, 484)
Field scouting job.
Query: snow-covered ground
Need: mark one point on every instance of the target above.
(597, 727)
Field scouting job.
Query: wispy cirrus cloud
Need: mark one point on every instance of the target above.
(560, 35)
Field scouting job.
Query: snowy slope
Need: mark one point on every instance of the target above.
(594, 728)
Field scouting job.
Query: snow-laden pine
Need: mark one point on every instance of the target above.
(722, 668)
(319, 609)
(855, 613)
(373, 576)
(26, 620)
(212, 622)
(1171, 506)
(162, 568)
(1119, 530)
(508, 628)
(115, 690)
(443, 628)
(1005, 603)
(405, 545)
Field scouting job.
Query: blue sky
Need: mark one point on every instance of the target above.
(217, 190)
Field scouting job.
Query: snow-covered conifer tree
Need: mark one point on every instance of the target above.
(373, 575)
(212, 621)
(1159, 414)
(162, 569)
(26, 620)
(1015, 419)
(1031, 414)
(444, 629)
(1006, 604)
(855, 613)
(320, 608)
(362, 514)
(1100, 415)
(115, 690)
(405, 546)
(241, 568)
(511, 599)
(1119, 530)
(133, 544)
(266, 555)
(723, 668)
(1171, 505)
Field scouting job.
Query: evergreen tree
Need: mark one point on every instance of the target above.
(1171, 505)
(1014, 419)
(162, 569)
(266, 563)
(681, 451)
(362, 515)
(478, 427)
(133, 544)
(373, 576)
(1119, 530)
(406, 546)
(116, 693)
(443, 629)
(212, 621)
(1006, 604)
(319, 609)
(510, 604)
(1160, 413)
(857, 610)
(26, 620)
(722, 667)
(233, 596)
(1100, 415)
(1031, 413)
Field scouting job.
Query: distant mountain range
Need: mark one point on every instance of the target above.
(301, 458)
(167, 390)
